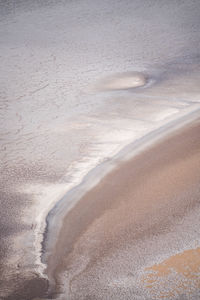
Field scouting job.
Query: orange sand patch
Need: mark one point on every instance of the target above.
(176, 275)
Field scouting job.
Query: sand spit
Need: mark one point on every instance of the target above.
(139, 215)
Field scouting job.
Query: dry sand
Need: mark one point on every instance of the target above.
(134, 220)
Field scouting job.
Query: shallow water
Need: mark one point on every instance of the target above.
(56, 127)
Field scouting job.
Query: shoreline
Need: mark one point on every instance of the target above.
(93, 178)
(85, 86)
(73, 240)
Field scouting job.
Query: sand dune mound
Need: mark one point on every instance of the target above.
(123, 81)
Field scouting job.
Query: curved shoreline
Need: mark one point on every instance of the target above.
(62, 207)
(71, 252)
(60, 135)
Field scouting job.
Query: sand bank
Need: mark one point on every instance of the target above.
(140, 214)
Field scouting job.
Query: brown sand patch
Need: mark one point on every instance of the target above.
(140, 199)
(178, 274)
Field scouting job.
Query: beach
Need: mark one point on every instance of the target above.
(99, 108)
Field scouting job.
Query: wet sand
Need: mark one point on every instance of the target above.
(138, 216)
(82, 81)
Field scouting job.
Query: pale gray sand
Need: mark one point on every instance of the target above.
(55, 127)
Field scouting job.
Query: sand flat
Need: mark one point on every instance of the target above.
(137, 216)
(57, 128)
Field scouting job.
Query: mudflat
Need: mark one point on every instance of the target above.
(130, 236)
